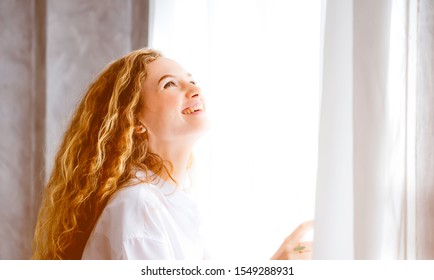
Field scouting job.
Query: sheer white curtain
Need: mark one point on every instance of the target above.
(424, 84)
(279, 152)
(365, 189)
(258, 64)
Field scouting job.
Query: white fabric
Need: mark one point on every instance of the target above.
(150, 222)
(361, 191)
(424, 152)
(334, 194)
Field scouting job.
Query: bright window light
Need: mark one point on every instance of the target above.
(258, 65)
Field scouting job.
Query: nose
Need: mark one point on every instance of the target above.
(193, 91)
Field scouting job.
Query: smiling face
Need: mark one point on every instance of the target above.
(173, 105)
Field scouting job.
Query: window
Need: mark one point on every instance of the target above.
(258, 65)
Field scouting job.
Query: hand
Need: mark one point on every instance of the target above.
(293, 248)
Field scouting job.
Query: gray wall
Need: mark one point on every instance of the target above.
(50, 50)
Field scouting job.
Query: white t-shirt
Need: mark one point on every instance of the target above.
(148, 222)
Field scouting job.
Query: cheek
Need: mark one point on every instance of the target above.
(168, 108)
(162, 112)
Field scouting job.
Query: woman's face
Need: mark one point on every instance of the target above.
(173, 105)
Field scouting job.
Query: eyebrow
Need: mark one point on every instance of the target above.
(170, 76)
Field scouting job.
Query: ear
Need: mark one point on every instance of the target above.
(140, 128)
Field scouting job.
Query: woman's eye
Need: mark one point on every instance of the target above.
(193, 82)
(168, 84)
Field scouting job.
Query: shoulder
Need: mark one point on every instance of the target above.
(134, 211)
(136, 199)
(142, 195)
(134, 215)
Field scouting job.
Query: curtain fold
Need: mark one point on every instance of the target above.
(361, 190)
(22, 96)
(425, 131)
(334, 195)
(50, 51)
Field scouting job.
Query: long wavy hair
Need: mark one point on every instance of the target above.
(99, 154)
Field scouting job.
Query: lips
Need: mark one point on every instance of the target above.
(193, 108)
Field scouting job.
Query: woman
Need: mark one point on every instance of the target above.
(115, 191)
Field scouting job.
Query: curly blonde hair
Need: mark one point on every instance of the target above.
(98, 155)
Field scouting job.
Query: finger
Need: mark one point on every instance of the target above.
(300, 231)
(307, 244)
(302, 256)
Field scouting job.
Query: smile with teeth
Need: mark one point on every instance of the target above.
(193, 109)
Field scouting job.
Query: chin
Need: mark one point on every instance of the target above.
(206, 126)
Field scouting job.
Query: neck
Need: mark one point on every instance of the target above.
(178, 156)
